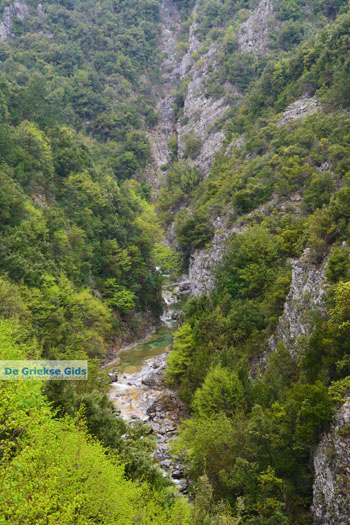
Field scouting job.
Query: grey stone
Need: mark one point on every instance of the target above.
(40, 10)
(300, 109)
(152, 380)
(331, 489)
(18, 9)
(113, 376)
(253, 34)
(307, 293)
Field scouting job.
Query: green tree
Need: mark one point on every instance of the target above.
(221, 391)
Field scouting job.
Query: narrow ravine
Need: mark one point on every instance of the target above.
(138, 391)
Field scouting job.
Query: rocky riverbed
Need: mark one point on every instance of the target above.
(139, 394)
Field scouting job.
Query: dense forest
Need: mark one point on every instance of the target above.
(85, 245)
(78, 255)
(255, 425)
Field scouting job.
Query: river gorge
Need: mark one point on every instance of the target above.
(138, 391)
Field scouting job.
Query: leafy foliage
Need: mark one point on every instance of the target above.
(256, 417)
(77, 263)
(82, 481)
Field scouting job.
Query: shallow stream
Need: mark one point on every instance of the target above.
(139, 376)
(139, 394)
(131, 360)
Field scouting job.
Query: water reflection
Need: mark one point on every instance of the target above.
(131, 361)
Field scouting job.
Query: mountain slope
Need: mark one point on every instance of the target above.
(261, 359)
(78, 257)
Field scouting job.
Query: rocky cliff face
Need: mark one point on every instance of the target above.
(169, 81)
(202, 262)
(300, 109)
(17, 10)
(307, 287)
(200, 110)
(307, 293)
(331, 490)
(253, 34)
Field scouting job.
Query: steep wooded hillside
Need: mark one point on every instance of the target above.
(262, 226)
(78, 256)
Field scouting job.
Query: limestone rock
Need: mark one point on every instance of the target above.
(18, 9)
(300, 109)
(113, 376)
(160, 134)
(307, 293)
(202, 262)
(40, 10)
(201, 111)
(331, 489)
(253, 34)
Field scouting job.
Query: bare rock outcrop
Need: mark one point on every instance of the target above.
(307, 293)
(201, 111)
(18, 9)
(253, 34)
(300, 109)
(165, 128)
(202, 262)
(331, 489)
(40, 10)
